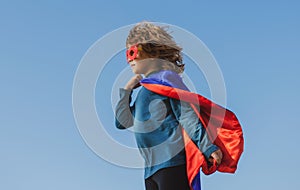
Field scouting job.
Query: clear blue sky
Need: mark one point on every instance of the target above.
(256, 44)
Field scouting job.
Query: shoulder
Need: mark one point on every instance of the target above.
(145, 94)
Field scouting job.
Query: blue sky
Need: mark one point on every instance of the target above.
(256, 44)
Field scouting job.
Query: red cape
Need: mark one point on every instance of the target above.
(221, 124)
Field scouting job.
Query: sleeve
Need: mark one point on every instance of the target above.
(123, 111)
(188, 119)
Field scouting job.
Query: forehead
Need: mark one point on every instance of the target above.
(130, 45)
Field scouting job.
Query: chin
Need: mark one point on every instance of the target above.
(136, 72)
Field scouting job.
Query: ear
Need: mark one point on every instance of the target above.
(140, 53)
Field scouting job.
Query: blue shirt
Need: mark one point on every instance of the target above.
(157, 122)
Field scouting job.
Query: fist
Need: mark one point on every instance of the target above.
(134, 82)
(217, 156)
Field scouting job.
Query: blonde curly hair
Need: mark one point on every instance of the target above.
(156, 42)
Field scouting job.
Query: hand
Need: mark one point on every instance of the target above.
(134, 82)
(217, 156)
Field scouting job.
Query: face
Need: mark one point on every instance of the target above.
(142, 66)
(139, 62)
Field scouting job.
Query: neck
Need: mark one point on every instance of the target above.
(151, 72)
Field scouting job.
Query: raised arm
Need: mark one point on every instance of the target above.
(124, 113)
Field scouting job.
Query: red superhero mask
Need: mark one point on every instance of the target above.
(132, 53)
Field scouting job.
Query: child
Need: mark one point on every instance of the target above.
(157, 119)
